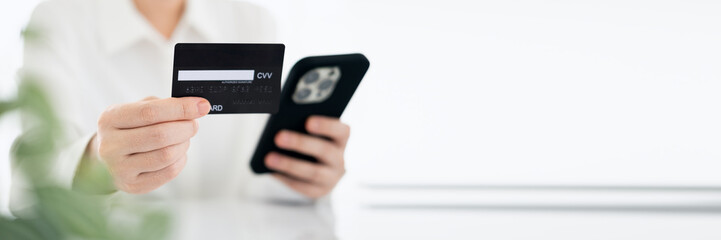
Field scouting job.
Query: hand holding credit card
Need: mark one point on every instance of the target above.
(234, 78)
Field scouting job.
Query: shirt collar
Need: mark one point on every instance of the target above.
(121, 25)
(199, 16)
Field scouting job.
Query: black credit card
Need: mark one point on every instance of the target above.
(233, 77)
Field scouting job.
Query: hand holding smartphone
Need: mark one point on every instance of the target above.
(321, 85)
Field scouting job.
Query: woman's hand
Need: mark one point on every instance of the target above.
(312, 179)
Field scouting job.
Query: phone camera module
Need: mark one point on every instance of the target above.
(316, 85)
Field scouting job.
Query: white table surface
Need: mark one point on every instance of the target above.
(251, 219)
(492, 214)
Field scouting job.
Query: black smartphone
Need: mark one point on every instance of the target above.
(319, 85)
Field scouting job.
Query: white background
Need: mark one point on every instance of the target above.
(505, 92)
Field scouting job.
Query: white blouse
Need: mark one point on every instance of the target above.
(91, 54)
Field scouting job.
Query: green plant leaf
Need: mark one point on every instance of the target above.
(7, 107)
(24, 229)
(77, 214)
(155, 225)
(62, 213)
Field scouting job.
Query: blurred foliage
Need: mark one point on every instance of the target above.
(30, 34)
(58, 212)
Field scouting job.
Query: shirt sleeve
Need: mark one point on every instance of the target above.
(48, 61)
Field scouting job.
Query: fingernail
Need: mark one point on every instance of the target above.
(203, 107)
(273, 160)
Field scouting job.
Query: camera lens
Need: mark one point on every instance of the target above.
(302, 94)
(311, 77)
(325, 84)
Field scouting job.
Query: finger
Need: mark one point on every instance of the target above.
(299, 169)
(150, 112)
(325, 151)
(149, 181)
(330, 127)
(149, 98)
(307, 189)
(156, 159)
(153, 137)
